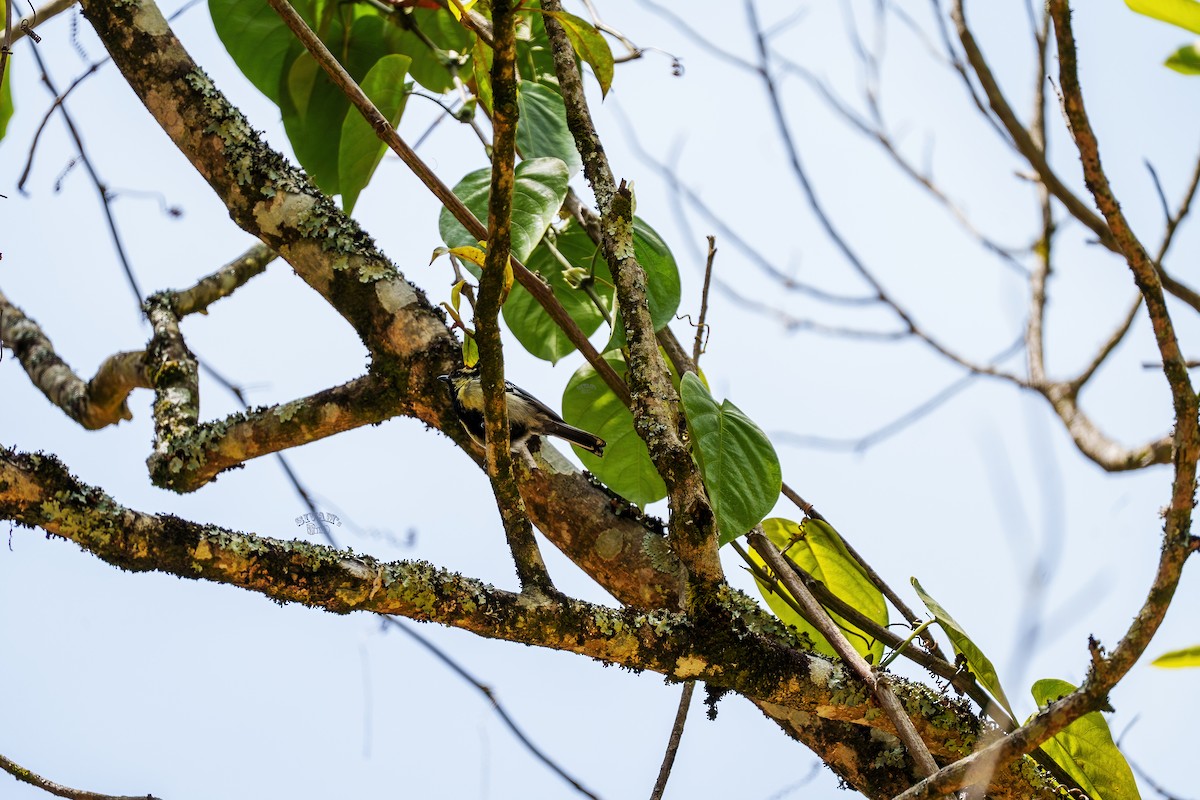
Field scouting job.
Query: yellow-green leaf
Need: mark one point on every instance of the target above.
(1086, 749)
(1184, 13)
(6, 101)
(981, 665)
(1185, 60)
(815, 547)
(590, 45)
(1177, 659)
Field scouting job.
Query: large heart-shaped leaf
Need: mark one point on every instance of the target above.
(626, 468)
(542, 125)
(541, 187)
(257, 39)
(815, 547)
(360, 149)
(662, 280)
(740, 469)
(1086, 749)
(314, 111)
(525, 316)
(981, 665)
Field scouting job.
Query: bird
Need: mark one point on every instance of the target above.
(527, 416)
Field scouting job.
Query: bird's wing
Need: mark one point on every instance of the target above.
(533, 401)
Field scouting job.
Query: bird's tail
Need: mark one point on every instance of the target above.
(588, 441)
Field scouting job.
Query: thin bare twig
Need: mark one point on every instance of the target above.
(701, 325)
(670, 174)
(58, 790)
(1019, 136)
(25, 25)
(764, 70)
(861, 444)
(664, 772)
(875, 131)
(490, 694)
(101, 188)
(531, 568)
(1168, 237)
(1108, 668)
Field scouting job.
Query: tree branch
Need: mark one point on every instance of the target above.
(96, 404)
(1019, 136)
(873, 679)
(1107, 669)
(755, 656)
(655, 402)
(222, 283)
(664, 772)
(492, 289)
(58, 790)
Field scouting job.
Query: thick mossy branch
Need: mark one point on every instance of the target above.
(175, 377)
(93, 404)
(655, 403)
(187, 460)
(742, 651)
(222, 283)
(408, 339)
(735, 647)
(493, 290)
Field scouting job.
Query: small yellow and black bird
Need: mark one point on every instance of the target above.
(527, 416)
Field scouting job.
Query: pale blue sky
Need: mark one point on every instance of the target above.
(130, 684)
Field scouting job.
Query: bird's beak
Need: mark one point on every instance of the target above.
(444, 378)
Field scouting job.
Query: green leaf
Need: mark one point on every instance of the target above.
(481, 64)
(662, 280)
(360, 150)
(6, 101)
(535, 60)
(449, 38)
(1184, 13)
(541, 187)
(257, 40)
(313, 109)
(980, 665)
(1176, 659)
(815, 547)
(590, 45)
(626, 468)
(740, 469)
(1086, 749)
(526, 318)
(542, 126)
(1185, 60)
